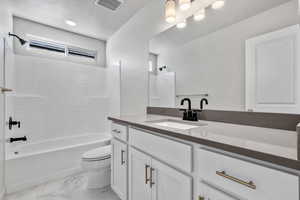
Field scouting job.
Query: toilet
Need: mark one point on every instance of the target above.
(96, 163)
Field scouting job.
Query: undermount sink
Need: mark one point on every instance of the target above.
(177, 124)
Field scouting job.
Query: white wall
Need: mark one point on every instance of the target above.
(4, 27)
(130, 46)
(215, 64)
(30, 30)
(56, 98)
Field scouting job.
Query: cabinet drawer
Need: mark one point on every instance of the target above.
(206, 192)
(245, 179)
(174, 153)
(119, 131)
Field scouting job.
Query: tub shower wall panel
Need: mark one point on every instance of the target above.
(56, 99)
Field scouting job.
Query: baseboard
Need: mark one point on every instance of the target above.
(2, 193)
(28, 184)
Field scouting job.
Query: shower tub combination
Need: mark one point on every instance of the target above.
(32, 164)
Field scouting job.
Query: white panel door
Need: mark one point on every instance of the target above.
(2, 115)
(169, 184)
(119, 168)
(139, 172)
(1, 118)
(272, 72)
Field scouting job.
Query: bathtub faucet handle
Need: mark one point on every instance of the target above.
(12, 123)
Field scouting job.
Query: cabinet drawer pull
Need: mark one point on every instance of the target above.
(116, 131)
(151, 177)
(122, 157)
(146, 174)
(249, 184)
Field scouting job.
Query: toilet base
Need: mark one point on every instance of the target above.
(98, 178)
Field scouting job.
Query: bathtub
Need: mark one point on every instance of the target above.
(36, 163)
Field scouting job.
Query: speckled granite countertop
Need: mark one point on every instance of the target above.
(271, 145)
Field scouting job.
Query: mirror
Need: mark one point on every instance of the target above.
(243, 57)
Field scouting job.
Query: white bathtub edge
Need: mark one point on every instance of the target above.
(2, 193)
(28, 184)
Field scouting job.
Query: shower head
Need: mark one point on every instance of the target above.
(22, 41)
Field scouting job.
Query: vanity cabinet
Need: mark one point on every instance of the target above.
(244, 179)
(150, 179)
(148, 166)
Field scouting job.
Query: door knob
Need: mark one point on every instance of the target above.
(5, 89)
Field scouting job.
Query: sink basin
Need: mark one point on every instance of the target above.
(177, 124)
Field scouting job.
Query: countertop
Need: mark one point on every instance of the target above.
(271, 145)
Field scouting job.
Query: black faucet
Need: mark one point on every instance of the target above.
(201, 103)
(12, 123)
(11, 140)
(189, 114)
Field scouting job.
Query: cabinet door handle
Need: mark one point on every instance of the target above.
(249, 184)
(151, 177)
(116, 131)
(201, 198)
(122, 157)
(146, 174)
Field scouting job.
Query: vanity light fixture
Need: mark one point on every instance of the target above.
(184, 4)
(70, 23)
(170, 11)
(218, 4)
(181, 24)
(171, 15)
(199, 15)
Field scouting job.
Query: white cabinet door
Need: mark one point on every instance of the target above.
(119, 168)
(169, 184)
(139, 172)
(273, 72)
(207, 192)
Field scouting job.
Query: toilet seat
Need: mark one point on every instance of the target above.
(97, 154)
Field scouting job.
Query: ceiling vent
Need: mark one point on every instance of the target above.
(110, 4)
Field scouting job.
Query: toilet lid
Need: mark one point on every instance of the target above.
(98, 153)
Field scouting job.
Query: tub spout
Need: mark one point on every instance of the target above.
(11, 140)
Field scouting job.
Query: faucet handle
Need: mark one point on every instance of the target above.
(185, 113)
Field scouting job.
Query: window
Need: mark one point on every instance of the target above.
(82, 52)
(47, 46)
(61, 48)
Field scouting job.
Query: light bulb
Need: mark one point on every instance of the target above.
(184, 4)
(70, 22)
(199, 15)
(181, 24)
(170, 12)
(218, 4)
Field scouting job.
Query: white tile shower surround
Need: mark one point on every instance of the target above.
(70, 188)
(57, 99)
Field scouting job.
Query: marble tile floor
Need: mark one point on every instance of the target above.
(70, 188)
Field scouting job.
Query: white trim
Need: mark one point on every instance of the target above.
(2, 193)
(34, 182)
